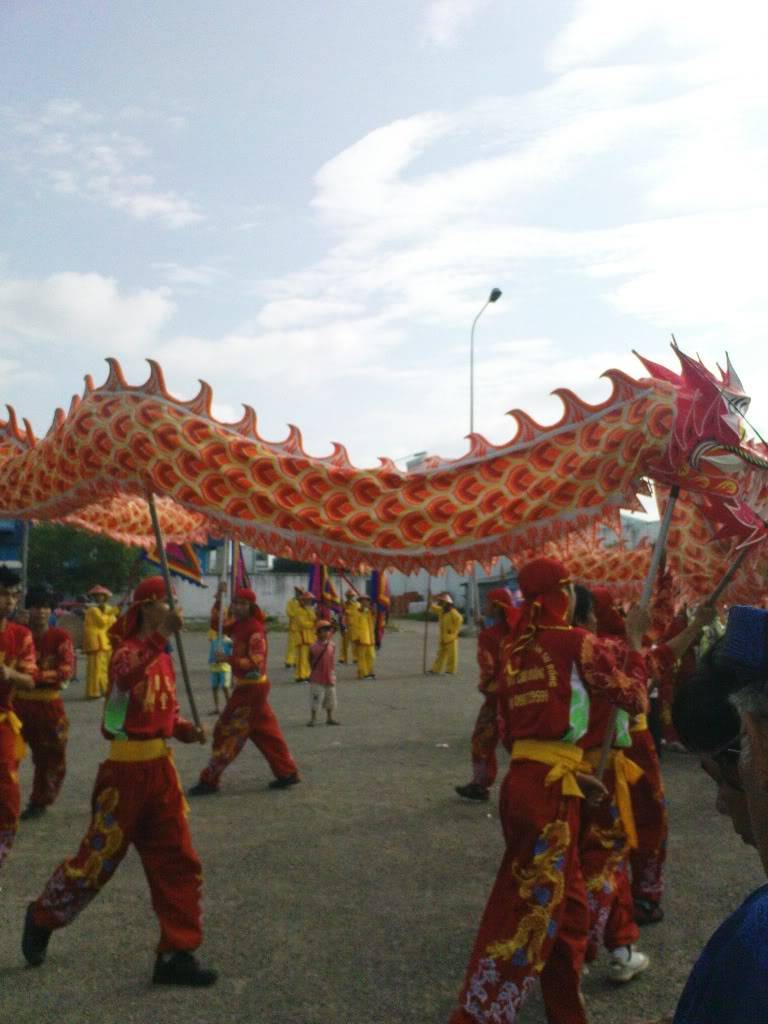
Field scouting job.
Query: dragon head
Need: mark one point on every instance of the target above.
(709, 431)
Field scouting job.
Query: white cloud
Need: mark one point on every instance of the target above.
(190, 278)
(72, 311)
(445, 19)
(79, 155)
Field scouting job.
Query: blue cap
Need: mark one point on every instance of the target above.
(746, 636)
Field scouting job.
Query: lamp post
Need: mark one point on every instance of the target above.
(493, 297)
(474, 596)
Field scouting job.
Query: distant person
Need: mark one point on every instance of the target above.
(365, 639)
(322, 676)
(99, 618)
(451, 620)
(45, 726)
(137, 800)
(350, 611)
(17, 672)
(305, 634)
(219, 652)
(292, 614)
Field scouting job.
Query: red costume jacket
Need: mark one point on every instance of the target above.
(17, 650)
(249, 646)
(141, 700)
(545, 688)
(489, 643)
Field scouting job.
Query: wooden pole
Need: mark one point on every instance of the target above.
(172, 606)
(426, 624)
(727, 579)
(658, 551)
(222, 579)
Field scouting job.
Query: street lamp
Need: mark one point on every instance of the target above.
(493, 297)
(474, 595)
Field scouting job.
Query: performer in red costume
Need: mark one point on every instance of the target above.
(137, 799)
(649, 809)
(17, 669)
(247, 714)
(485, 735)
(535, 922)
(45, 726)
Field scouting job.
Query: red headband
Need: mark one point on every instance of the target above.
(151, 589)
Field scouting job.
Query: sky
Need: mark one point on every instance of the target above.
(307, 205)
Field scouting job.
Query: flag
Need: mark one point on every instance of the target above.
(242, 579)
(378, 591)
(182, 562)
(321, 586)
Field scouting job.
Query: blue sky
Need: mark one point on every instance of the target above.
(306, 204)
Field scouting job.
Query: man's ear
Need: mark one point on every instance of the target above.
(756, 728)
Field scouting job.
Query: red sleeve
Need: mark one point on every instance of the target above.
(184, 731)
(129, 663)
(627, 688)
(27, 660)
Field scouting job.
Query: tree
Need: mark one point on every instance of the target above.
(71, 561)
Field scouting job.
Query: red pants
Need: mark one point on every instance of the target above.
(140, 803)
(248, 716)
(45, 728)
(603, 851)
(535, 922)
(650, 810)
(485, 737)
(10, 796)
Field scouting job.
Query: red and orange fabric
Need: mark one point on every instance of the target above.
(45, 726)
(535, 922)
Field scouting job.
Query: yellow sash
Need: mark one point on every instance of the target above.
(639, 724)
(41, 693)
(14, 722)
(137, 750)
(566, 759)
(626, 774)
(241, 681)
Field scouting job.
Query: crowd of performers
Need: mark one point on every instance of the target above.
(584, 822)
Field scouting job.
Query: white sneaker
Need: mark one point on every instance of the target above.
(626, 963)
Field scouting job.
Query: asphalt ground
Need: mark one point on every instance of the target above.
(352, 898)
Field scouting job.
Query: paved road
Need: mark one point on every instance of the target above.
(350, 899)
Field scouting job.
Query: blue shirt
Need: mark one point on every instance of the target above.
(729, 981)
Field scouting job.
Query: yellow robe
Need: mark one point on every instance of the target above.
(291, 611)
(305, 622)
(97, 647)
(447, 657)
(349, 637)
(365, 639)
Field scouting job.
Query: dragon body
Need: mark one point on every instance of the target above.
(120, 442)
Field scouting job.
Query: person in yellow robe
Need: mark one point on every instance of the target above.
(291, 613)
(451, 621)
(99, 617)
(349, 636)
(305, 623)
(365, 639)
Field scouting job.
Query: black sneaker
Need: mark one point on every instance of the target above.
(32, 811)
(472, 791)
(182, 968)
(34, 940)
(202, 789)
(284, 781)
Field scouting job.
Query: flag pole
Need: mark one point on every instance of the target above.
(172, 606)
(645, 599)
(426, 624)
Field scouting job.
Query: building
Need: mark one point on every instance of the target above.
(11, 540)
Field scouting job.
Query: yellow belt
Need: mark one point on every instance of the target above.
(640, 724)
(626, 774)
(43, 693)
(565, 758)
(14, 722)
(242, 681)
(137, 750)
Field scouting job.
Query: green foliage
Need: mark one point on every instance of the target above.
(71, 561)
